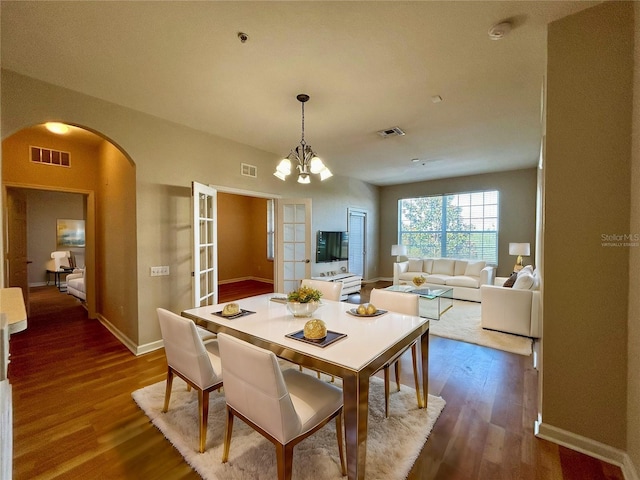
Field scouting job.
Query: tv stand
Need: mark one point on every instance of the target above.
(350, 283)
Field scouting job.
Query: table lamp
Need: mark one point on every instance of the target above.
(398, 251)
(519, 249)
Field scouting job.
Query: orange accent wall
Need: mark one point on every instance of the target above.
(242, 238)
(18, 167)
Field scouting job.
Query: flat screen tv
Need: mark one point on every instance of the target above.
(332, 246)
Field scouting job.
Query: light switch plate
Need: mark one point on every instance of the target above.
(159, 271)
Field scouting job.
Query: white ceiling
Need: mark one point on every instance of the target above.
(367, 66)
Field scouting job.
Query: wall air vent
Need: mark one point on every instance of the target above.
(391, 132)
(50, 157)
(247, 170)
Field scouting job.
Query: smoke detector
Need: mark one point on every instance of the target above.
(391, 132)
(499, 31)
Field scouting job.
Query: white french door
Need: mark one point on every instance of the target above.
(205, 244)
(293, 240)
(357, 222)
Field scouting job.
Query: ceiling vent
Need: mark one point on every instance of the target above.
(391, 132)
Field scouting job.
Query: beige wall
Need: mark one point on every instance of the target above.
(242, 238)
(115, 246)
(633, 378)
(587, 194)
(167, 158)
(516, 217)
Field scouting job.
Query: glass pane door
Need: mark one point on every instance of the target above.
(294, 243)
(205, 257)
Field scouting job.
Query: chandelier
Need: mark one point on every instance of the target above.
(308, 161)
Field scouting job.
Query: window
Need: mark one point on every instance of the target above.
(270, 229)
(461, 225)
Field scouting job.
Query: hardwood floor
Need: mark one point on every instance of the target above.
(74, 417)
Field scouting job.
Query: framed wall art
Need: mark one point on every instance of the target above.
(70, 233)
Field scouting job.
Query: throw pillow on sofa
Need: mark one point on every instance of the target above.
(511, 280)
(415, 265)
(443, 266)
(460, 267)
(525, 280)
(474, 269)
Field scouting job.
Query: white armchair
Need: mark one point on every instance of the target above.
(76, 285)
(511, 310)
(61, 260)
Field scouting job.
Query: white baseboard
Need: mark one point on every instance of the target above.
(382, 279)
(377, 279)
(126, 341)
(149, 347)
(588, 446)
(628, 469)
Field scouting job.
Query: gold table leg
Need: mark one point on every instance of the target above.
(424, 353)
(356, 414)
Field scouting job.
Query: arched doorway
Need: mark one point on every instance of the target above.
(95, 169)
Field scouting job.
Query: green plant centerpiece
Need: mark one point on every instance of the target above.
(303, 301)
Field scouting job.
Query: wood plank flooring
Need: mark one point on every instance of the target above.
(74, 417)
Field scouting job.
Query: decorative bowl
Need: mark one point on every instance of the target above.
(418, 281)
(302, 309)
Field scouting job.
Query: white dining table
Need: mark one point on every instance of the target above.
(369, 344)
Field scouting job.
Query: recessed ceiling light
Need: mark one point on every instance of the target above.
(415, 160)
(57, 127)
(436, 99)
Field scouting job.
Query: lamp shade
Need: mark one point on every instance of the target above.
(519, 249)
(398, 250)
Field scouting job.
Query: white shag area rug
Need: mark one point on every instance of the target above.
(393, 444)
(462, 322)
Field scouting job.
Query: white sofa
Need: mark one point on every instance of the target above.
(464, 276)
(513, 309)
(75, 284)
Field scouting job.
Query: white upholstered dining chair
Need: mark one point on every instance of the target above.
(284, 406)
(329, 290)
(196, 362)
(408, 304)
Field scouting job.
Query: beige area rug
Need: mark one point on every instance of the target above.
(392, 447)
(462, 322)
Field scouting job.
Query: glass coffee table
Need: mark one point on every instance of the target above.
(434, 301)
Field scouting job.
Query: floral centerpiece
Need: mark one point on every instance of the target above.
(303, 301)
(304, 295)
